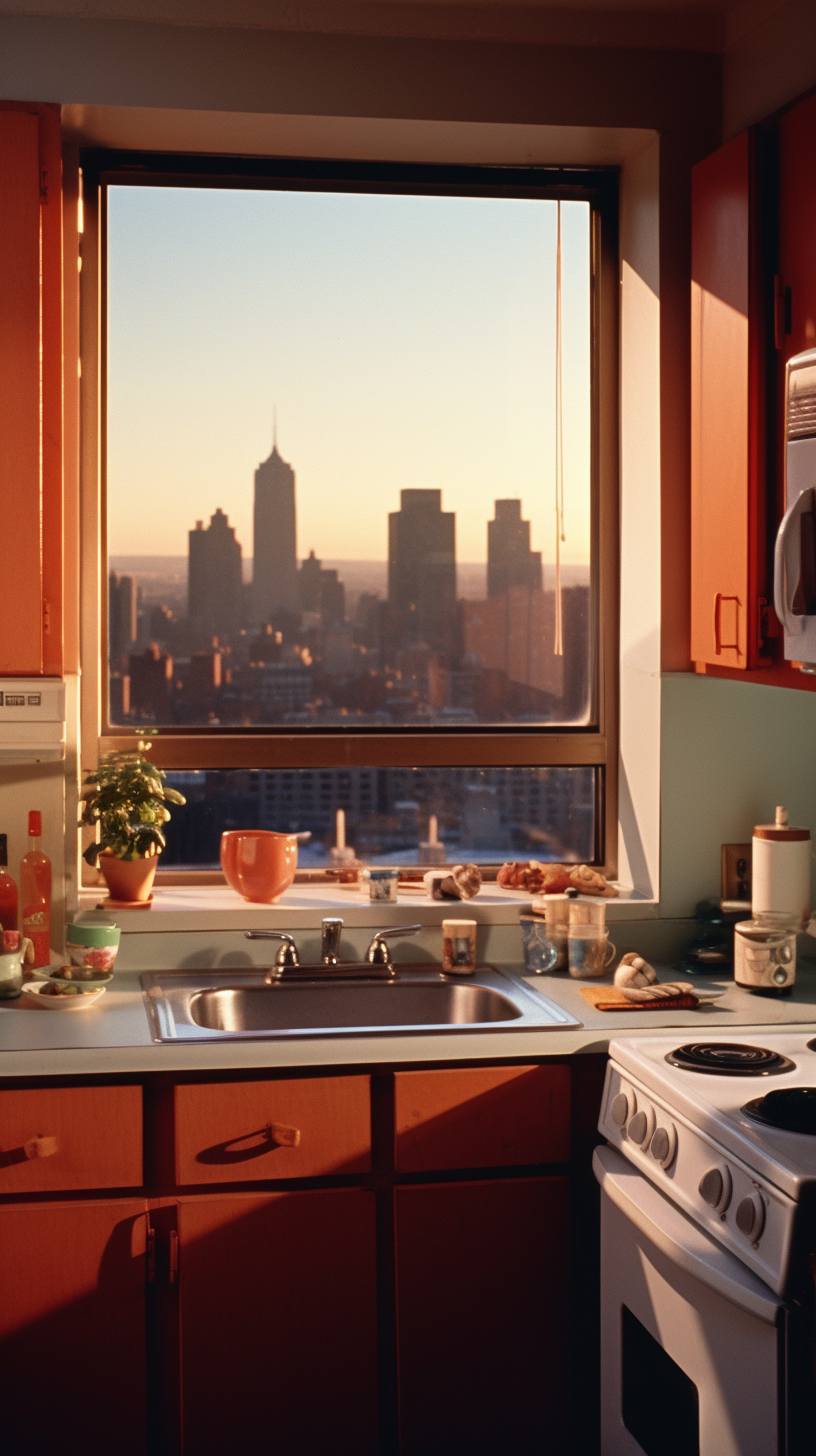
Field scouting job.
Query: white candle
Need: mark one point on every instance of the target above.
(340, 829)
(433, 830)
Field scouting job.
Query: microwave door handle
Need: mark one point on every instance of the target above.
(686, 1247)
(784, 567)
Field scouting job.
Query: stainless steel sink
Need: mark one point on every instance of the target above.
(234, 1005)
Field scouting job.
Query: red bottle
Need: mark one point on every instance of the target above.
(35, 892)
(8, 890)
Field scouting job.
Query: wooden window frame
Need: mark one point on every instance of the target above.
(234, 748)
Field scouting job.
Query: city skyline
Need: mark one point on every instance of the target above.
(406, 342)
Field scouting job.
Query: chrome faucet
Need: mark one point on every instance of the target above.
(377, 964)
(330, 940)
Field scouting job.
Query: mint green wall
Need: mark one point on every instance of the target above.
(730, 752)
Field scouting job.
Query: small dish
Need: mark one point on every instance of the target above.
(32, 992)
(68, 975)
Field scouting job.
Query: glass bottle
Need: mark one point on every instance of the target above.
(35, 892)
(8, 890)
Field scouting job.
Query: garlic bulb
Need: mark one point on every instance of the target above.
(634, 971)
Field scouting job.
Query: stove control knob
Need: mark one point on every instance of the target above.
(715, 1187)
(751, 1216)
(664, 1144)
(623, 1107)
(642, 1126)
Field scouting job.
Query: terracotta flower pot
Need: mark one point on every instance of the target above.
(128, 880)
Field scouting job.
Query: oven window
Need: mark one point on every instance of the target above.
(660, 1405)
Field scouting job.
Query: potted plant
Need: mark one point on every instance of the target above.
(125, 799)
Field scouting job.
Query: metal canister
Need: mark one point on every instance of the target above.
(765, 953)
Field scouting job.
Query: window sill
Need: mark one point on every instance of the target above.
(217, 907)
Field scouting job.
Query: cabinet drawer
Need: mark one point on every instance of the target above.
(58, 1138)
(237, 1132)
(482, 1117)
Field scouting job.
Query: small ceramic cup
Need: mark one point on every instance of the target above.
(258, 863)
(590, 951)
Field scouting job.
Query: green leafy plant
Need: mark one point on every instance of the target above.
(126, 798)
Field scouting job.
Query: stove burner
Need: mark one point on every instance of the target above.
(793, 1109)
(728, 1059)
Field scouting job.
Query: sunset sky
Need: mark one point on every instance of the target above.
(403, 341)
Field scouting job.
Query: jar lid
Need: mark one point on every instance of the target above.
(765, 930)
(780, 830)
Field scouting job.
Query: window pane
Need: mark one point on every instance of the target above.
(338, 424)
(483, 815)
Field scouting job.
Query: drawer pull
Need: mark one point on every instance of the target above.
(41, 1147)
(285, 1137)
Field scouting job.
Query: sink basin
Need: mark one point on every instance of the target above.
(388, 1003)
(240, 1004)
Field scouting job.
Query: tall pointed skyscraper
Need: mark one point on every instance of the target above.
(274, 567)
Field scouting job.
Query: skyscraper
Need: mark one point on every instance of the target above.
(122, 620)
(274, 569)
(422, 570)
(510, 562)
(214, 580)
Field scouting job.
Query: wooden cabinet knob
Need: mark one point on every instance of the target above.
(285, 1137)
(41, 1147)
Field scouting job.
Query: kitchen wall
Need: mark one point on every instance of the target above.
(213, 70)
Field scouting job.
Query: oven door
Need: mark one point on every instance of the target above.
(692, 1343)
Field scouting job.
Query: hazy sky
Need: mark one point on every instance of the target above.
(403, 341)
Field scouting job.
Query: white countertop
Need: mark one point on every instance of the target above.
(113, 1036)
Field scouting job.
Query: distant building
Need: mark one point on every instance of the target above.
(122, 617)
(274, 567)
(511, 638)
(320, 590)
(214, 581)
(422, 570)
(510, 562)
(151, 673)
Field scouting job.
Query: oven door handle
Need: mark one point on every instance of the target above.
(686, 1246)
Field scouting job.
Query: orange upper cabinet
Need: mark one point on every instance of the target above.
(31, 388)
(727, 409)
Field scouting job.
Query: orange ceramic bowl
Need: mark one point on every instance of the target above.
(258, 864)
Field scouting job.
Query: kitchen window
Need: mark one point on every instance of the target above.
(353, 512)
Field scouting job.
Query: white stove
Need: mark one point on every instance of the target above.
(724, 1260)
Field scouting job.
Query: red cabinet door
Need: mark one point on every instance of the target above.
(483, 1317)
(797, 226)
(72, 1328)
(31, 387)
(278, 1311)
(727, 455)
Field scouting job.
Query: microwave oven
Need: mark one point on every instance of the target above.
(795, 549)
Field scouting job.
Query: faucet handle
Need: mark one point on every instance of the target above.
(377, 953)
(286, 955)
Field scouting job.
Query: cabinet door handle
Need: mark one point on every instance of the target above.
(719, 645)
(285, 1137)
(41, 1147)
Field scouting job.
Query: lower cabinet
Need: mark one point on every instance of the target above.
(482, 1317)
(72, 1327)
(278, 1309)
(420, 1308)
